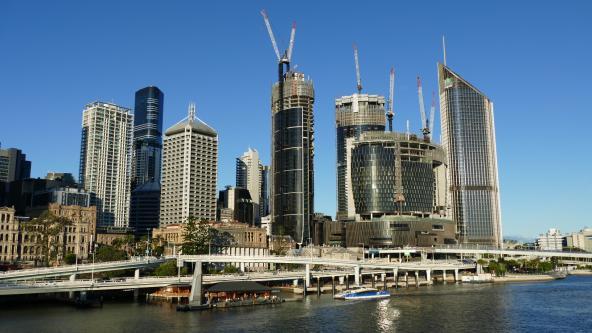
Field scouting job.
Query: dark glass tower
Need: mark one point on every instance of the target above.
(147, 135)
(468, 136)
(292, 190)
(354, 115)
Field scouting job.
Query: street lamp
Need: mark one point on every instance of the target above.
(92, 271)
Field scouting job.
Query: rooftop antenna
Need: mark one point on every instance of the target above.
(358, 79)
(444, 48)
(390, 112)
(191, 112)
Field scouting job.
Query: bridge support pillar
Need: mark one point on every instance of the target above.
(396, 277)
(406, 279)
(347, 282)
(307, 276)
(137, 274)
(416, 278)
(71, 293)
(242, 267)
(373, 280)
(389, 257)
(196, 285)
(444, 275)
(429, 276)
(318, 286)
(333, 285)
(383, 278)
(295, 283)
(341, 280)
(357, 275)
(456, 275)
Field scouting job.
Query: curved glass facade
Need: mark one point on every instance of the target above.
(374, 175)
(354, 115)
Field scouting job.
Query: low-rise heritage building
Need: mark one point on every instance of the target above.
(19, 236)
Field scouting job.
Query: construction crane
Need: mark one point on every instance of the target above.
(424, 122)
(291, 45)
(358, 79)
(432, 113)
(271, 36)
(390, 113)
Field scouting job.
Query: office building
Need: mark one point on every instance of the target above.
(264, 201)
(148, 114)
(252, 175)
(189, 171)
(468, 136)
(235, 204)
(292, 168)
(66, 178)
(354, 115)
(14, 165)
(580, 240)
(105, 160)
(145, 208)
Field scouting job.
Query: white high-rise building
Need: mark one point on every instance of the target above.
(189, 171)
(249, 172)
(105, 160)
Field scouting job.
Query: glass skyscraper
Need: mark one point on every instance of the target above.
(354, 115)
(292, 190)
(468, 135)
(147, 135)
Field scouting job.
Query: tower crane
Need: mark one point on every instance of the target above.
(390, 113)
(424, 122)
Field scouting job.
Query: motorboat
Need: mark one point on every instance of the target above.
(363, 293)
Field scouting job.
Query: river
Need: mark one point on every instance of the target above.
(561, 305)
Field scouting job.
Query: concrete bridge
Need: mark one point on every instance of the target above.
(48, 272)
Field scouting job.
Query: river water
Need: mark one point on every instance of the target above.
(557, 306)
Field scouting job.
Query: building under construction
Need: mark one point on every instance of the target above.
(292, 181)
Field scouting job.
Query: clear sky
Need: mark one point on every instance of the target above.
(531, 58)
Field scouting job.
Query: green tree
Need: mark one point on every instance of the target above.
(50, 231)
(230, 269)
(201, 238)
(169, 268)
(106, 253)
(70, 258)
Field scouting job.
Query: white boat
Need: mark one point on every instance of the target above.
(363, 293)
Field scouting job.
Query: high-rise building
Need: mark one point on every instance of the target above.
(145, 208)
(468, 136)
(264, 201)
(354, 115)
(189, 171)
(14, 165)
(237, 203)
(251, 174)
(65, 177)
(148, 115)
(292, 189)
(105, 160)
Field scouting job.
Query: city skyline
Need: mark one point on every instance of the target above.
(522, 190)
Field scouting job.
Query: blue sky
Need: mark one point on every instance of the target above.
(531, 58)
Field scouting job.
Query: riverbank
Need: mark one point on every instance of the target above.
(581, 272)
(524, 278)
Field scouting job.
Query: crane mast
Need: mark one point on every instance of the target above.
(390, 114)
(424, 123)
(432, 113)
(358, 79)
